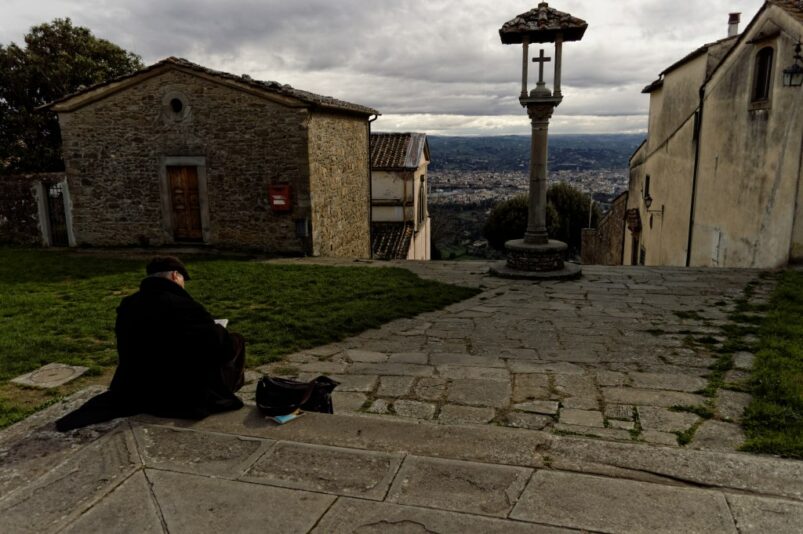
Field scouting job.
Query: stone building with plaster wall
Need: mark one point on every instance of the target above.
(177, 153)
(401, 222)
(717, 182)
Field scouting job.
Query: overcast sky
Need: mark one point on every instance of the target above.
(435, 66)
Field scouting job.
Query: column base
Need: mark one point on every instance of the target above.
(536, 262)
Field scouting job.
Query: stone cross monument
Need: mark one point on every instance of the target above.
(536, 256)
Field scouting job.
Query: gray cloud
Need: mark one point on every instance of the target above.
(406, 57)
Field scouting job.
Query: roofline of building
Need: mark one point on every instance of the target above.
(283, 94)
(414, 151)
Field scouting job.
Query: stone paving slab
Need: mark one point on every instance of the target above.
(196, 504)
(195, 452)
(129, 508)
(71, 487)
(758, 515)
(621, 506)
(459, 486)
(365, 474)
(50, 376)
(351, 515)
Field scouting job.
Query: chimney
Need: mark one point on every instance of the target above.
(733, 24)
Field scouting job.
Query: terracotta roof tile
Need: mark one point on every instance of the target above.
(391, 241)
(542, 25)
(397, 151)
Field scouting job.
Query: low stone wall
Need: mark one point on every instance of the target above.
(19, 210)
(604, 245)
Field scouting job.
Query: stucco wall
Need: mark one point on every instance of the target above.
(339, 186)
(750, 159)
(115, 149)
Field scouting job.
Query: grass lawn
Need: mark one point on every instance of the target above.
(774, 419)
(58, 306)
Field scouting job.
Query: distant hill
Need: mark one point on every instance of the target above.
(512, 152)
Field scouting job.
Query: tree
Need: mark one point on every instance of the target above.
(566, 216)
(58, 59)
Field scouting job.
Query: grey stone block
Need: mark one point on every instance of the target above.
(650, 397)
(528, 420)
(365, 356)
(611, 505)
(356, 382)
(593, 431)
(732, 404)
(659, 438)
(526, 367)
(623, 412)
(580, 403)
(458, 372)
(452, 414)
(419, 358)
(542, 407)
(431, 388)
(759, 515)
(345, 401)
(664, 420)
(379, 406)
(365, 474)
(192, 503)
(459, 486)
(668, 382)
(743, 361)
(414, 409)
(395, 386)
(581, 418)
(492, 393)
(384, 369)
(530, 386)
(447, 358)
(715, 435)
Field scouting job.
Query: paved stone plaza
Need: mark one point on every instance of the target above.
(528, 408)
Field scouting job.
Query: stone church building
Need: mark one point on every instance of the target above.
(718, 180)
(180, 154)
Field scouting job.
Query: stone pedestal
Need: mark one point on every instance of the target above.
(536, 262)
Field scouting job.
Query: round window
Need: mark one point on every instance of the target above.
(176, 105)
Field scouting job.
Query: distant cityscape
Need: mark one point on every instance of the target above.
(482, 187)
(469, 175)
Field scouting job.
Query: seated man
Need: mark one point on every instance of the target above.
(174, 360)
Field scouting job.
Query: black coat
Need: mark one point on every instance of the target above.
(170, 354)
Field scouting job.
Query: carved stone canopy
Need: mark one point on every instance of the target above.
(542, 25)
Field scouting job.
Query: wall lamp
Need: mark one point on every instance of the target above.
(648, 204)
(793, 75)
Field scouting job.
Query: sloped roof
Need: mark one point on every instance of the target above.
(793, 7)
(542, 25)
(305, 98)
(391, 241)
(398, 151)
(657, 84)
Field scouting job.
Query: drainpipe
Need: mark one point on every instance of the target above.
(699, 128)
(370, 194)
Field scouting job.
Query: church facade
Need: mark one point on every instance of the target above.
(718, 180)
(180, 154)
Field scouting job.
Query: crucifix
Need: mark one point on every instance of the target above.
(541, 59)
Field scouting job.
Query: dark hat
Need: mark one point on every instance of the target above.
(161, 264)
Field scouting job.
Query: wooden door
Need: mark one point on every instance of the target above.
(55, 211)
(186, 203)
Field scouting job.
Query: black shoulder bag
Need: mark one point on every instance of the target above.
(282, 396)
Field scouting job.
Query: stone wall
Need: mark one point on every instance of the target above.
(115, 152)
(604, 245)
(340, 185)
(19, 207)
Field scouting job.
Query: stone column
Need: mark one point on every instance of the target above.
(536, 233)
(558, 59)
(524, 66)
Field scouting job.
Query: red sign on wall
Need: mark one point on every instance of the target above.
(279, 196)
